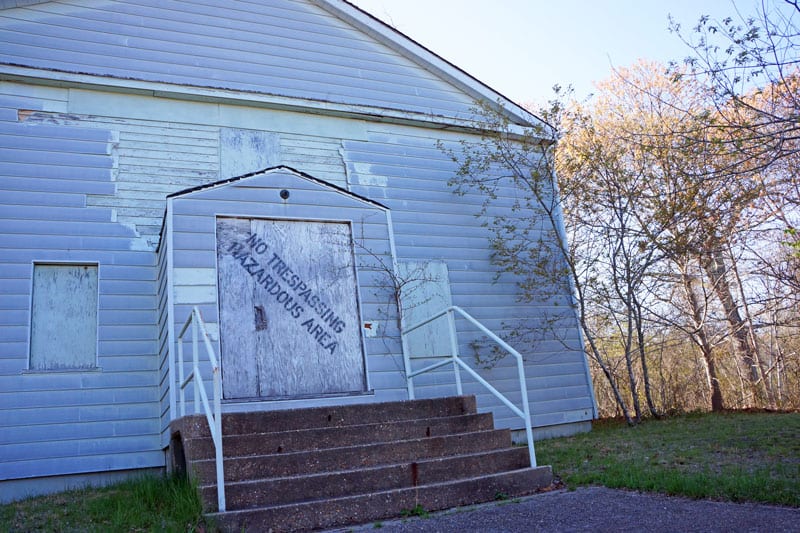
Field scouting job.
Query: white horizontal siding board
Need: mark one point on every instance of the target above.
(321, 57)
(55, 213)
(56, 186)
(84, 139)
(116, 461)
(42, 227)
(94, 413)
(43, 398)
(20, 169)
(31, 434)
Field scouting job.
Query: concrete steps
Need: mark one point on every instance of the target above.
(306, 469)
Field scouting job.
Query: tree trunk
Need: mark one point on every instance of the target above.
(715, 267)
(700, 337)
(648, 394)
(637, 409)
(607, 373)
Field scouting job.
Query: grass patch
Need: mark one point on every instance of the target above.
(731, 456)
(417, 511)
(150, 503)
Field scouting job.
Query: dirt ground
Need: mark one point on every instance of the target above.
(600, 509)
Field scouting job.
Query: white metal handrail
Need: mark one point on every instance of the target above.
(214, 417)
(524, 413)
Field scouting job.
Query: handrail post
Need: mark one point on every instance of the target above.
(181, 377)
(195, 366)
(407, 365)
(219, 460)
(451, 321)
(526, 409)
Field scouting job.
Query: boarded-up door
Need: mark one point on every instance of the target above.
(289, 318)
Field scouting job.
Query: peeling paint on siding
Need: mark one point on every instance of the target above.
(244, 151)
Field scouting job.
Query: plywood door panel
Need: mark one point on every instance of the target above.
(298, 308)
(239, 368)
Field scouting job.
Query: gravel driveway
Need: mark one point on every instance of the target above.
(601, 509)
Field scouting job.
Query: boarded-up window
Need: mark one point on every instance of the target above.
(426, 291)
(64, 317)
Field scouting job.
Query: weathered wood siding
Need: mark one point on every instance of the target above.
(82, 420)
(274, 47)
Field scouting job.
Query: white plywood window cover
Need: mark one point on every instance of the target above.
(426, 291)
(64, 317)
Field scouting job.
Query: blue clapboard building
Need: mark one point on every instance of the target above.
(273, 163)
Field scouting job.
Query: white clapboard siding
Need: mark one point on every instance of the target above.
(79, 421)
(404, 168)
(277, 47)
(166, 388)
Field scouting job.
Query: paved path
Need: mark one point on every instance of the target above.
(601, 509)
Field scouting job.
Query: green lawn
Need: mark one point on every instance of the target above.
(733, 456)
(147, 504)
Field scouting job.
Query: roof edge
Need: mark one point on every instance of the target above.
(413, 50)
(270, 170)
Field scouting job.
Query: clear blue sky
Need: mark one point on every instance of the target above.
(522, 48)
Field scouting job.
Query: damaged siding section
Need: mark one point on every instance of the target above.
(151, 159)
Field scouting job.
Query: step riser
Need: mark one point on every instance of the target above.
(326, 460)
(370, 507)
(365, 481)
(330, 416)
(314, 439)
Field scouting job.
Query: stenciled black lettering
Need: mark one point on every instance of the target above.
(275, 289)
(318, 332)
(250, 265)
